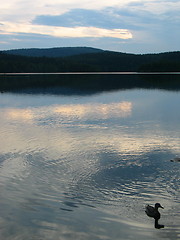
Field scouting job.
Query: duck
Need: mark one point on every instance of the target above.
(176, 159)
(154, 213)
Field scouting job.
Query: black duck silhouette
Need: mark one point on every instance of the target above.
(154, 213)
(176, 159)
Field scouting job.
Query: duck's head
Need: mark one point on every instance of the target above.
(158, 205)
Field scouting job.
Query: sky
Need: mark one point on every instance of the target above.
(132, 26)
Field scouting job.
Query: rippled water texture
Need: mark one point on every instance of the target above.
(84, 167)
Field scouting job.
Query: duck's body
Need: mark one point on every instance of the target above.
(153, 211)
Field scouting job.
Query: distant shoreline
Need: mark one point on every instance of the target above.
(99, 62)
(92, 73)
(89, 81)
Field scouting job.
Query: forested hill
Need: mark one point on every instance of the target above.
(53, 52)
(97, 61)
(115, 61)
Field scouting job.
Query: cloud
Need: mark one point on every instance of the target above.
(75, 32)
(77, 17)
(159, 7)
(106, 18)
(25, 9)
(132, 16)
(3, 42)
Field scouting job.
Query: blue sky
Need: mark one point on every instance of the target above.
(136, 26)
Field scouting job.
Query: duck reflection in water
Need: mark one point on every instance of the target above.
(154, 213)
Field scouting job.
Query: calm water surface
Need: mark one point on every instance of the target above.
(84, 167)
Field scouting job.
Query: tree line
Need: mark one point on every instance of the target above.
(105, 61)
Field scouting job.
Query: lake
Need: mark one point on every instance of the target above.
(82, 164)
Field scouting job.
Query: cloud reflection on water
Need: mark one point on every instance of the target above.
(122, 109)
(19, 114)
(124, 137)
(80, 111)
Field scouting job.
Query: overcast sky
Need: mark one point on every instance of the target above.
(136, 26)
